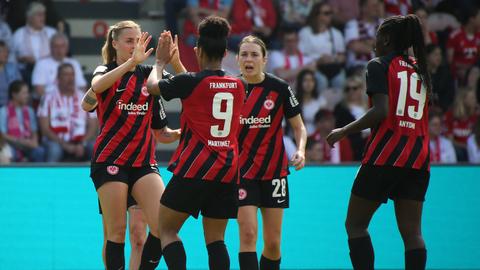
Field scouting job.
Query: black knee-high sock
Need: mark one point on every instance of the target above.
(361, 253)
(114, 255)
(248, 260)
(267, 264)
(151, 254)
(175, 256)
(218, 258)
(415, 259)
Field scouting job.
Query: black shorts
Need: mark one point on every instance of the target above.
(264, 193)
(103, 172)
(130, 202)
(379, 183)
(192, 196)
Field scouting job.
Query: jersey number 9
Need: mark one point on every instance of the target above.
(226, 115)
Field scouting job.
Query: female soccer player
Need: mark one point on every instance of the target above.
(263, 162)
(123, 161)
(205, 164)
(396, 160)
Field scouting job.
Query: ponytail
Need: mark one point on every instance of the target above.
(109, 54)
(405, 32)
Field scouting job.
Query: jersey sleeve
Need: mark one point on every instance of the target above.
(376, 78)
(100, 70)
(159, 118)
(180, 86)
(290, 103)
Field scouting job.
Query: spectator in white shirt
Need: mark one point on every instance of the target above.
(31, 42)
(288, 62)
(68, 131)
(325, 44)
(441, 148)
(44, 77)
(473, 144)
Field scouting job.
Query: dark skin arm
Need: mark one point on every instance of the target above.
(377, 113)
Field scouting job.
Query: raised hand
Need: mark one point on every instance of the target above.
(139, 54)
(166, 48)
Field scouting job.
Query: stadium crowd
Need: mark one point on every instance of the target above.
(319, 47)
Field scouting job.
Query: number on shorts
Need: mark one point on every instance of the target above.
(226, 116)
(280, 188)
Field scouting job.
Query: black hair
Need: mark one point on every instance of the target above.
(15, 88)
(431, 47)
(63, 66)
(213, 32)
(405, 32)
(311, 19)
(468, 13)
(299, 87)
(323, 114)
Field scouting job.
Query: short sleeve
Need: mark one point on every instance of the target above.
(43, 109)
(291, 105)
(100, 70)
(180, 86)
(376, 78)
(159, 118)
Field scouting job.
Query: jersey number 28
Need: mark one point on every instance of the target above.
(410, 89)
(226, 115)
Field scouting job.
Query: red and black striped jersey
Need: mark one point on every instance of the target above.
(127, 113)
(210, 117)
(401, 139)
(262, 153)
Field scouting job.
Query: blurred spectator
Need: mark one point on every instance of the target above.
(398, 7)
(459, 120)
(44, 76)
(19, 125)
(257, 17)
(294, 12)
(309, 98)
(473, 144)
(352, 107)
(441, 148)
(68, 131)
(5, 151)
(172, 10)
(199, 9)
(288, 62)
(16, 14)
(463, 45)
(360, 34)
(6, 36)
(8, 73)
(344, 11)
(430, 37)
(31, 42)
(318, 149)
(330, 56)
(442, 82)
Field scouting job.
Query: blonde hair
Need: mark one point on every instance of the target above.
(459, 108)
(109, 54)
(255, 40)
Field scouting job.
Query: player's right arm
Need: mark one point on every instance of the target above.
(163, 54)
(101, 82)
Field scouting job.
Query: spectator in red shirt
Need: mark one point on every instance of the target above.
(257, 17)
(463, 45)
(459, 121)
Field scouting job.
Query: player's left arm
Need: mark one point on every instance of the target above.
(300, 133)
(89, 101)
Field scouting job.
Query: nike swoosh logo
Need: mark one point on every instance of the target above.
(121, 90)
(280, 201)
(152, 261)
